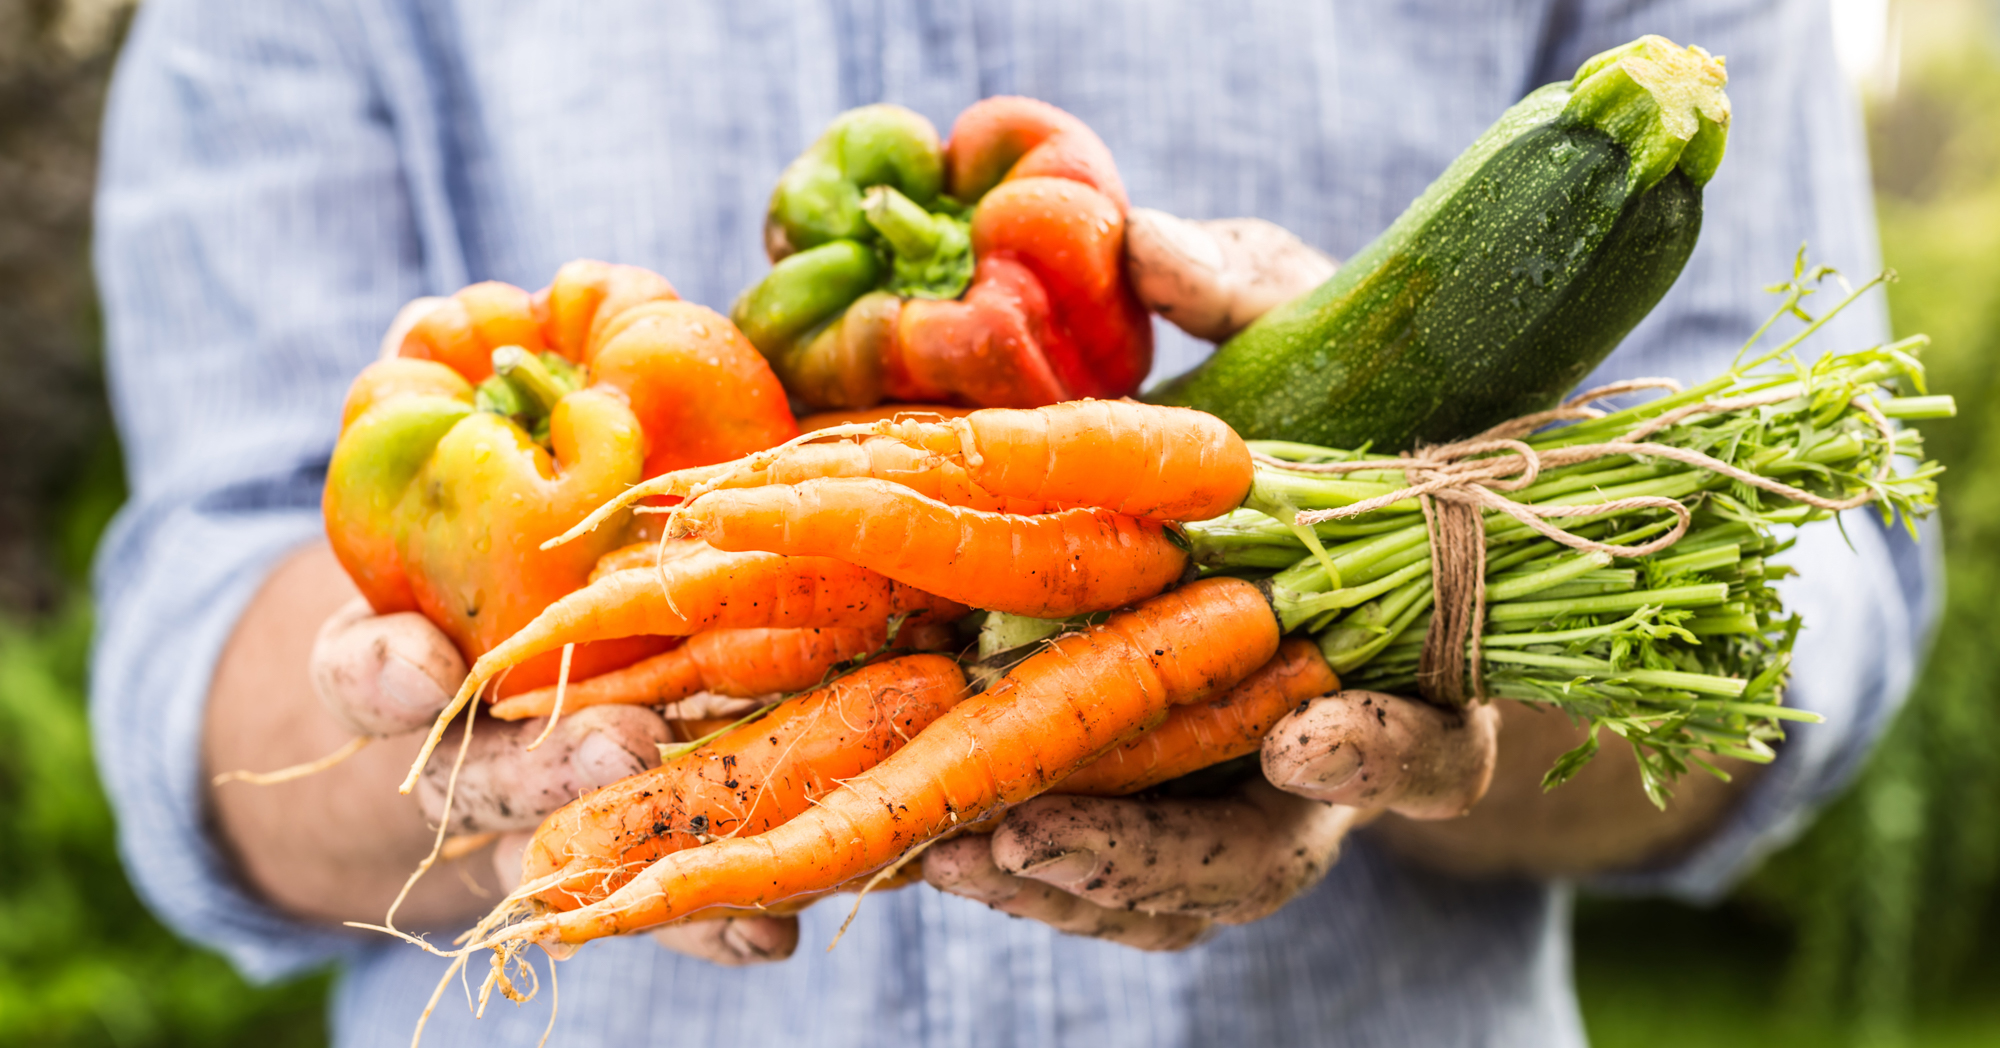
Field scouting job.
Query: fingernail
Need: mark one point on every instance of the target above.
(736, 942)
(1065, 870)
(409, 687)
(736, 939)
(600, 761)
(1328, 771)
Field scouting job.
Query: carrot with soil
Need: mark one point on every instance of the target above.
(1051, 565)
(879, 413)
(887, 458)
(1141, 460)
(1055, 712)
(645, 554)
(743, 784)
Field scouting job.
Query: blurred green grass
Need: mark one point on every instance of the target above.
(83, 963)
(1655, 975)
(1873, 930)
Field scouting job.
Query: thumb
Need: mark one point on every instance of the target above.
(733, 942)
(383, 674)
(1377, 751)
(1211, 279)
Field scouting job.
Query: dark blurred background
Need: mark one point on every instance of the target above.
(1873, 929)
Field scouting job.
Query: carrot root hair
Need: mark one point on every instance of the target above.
(296, 771)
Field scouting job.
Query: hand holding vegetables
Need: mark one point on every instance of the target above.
(389, 675)
(1617, 472)
(1154, 874)
(385, 675)
(1212, 278)
(1035, 514)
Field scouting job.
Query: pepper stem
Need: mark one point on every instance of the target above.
(529, 376)
(931, 253)
(912, 232)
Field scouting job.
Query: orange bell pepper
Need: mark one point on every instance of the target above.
(505, 418)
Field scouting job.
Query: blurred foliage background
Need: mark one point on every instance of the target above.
(1874, 929)
(1877, 927)
(82, 962)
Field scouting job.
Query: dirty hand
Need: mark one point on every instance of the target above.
(1157, 874)
(385, 675)
(1212, 278)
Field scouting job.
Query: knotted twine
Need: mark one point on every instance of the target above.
(1453, 483)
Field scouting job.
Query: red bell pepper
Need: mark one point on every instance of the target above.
(988, 271)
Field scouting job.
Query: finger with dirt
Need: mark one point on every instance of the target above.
(1378, 751)
(1230, 859)
(506, 786)
(1211, 279)
(383, 675)
(965, 866)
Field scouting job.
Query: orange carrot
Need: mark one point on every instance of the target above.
(927, 474)
(743, 663)
(883, 458)
(1141, 460)
(744, 783)
(644, 555)
(710, 590)
(1055, 712)
(1198, 735)
(913, 873)
(1049, 566)
(879, 413)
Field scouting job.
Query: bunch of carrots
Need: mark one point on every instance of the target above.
(853, 533)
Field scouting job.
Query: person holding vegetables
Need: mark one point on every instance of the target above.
(281, 177)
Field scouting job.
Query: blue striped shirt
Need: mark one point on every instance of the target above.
(280, 175)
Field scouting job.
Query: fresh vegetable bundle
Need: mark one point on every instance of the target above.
(1681, 654)
(1140, 566)
(988, 270)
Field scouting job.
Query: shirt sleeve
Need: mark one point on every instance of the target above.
(1795, 173)
(254, 237)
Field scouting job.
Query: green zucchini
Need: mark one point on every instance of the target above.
(1506, 282)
